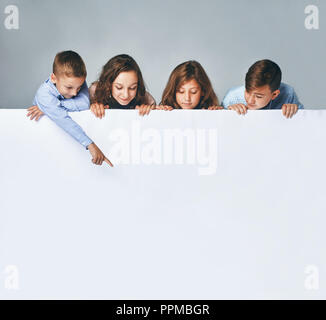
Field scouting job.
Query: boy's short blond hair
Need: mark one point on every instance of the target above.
(70, 64)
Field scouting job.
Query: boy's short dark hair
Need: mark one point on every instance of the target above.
(70, 64)
(263, 72)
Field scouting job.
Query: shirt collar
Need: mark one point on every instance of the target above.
(54, 89)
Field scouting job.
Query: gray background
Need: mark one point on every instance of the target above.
(225, 36)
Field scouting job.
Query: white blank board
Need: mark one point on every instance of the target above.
(235, 209)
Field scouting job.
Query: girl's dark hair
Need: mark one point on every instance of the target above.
(185, 72)
(116, 65)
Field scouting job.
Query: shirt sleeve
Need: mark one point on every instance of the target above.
(295, 100)
(78, 103)
(51, 106)
(227, 100)
(234, 95)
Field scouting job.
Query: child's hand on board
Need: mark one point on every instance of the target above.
(239, 108)
(166, 108)
(144, 109)
(289, 110)
(34, 112)
(97, 155)
(215, 108)
(98, 109)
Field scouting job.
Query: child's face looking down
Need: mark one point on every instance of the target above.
(188, 95)
(260, 97)
(67, 86)
(124, 87)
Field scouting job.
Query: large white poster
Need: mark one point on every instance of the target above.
(199, 205)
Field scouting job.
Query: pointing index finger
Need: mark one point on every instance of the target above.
(108, 161)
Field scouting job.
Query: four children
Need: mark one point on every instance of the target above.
(121, 86)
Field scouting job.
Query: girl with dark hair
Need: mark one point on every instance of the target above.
(120, 86)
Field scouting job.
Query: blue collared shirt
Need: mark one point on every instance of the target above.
(56, 107)
(287, 95)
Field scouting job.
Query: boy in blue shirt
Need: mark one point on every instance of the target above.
(65, 91)
(263, 90)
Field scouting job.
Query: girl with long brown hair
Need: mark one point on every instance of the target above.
(189, 87)
(120, 86)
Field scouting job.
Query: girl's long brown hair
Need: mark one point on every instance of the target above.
(185, 72)
(116, 65)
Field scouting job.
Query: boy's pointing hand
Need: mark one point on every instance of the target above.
(98, 156)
